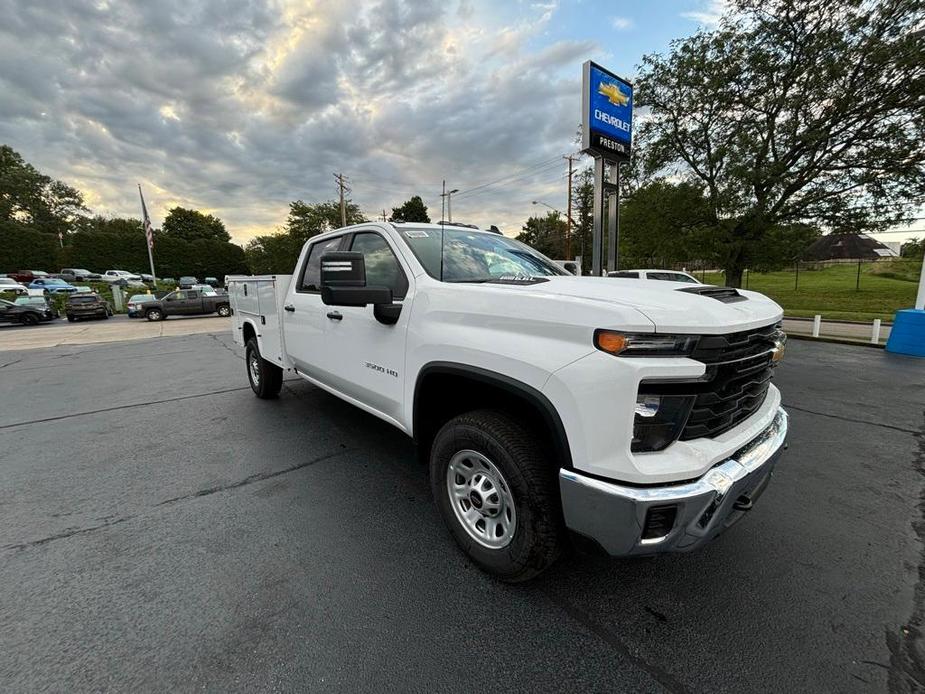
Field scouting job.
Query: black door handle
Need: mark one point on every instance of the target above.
(334, 315)
(289, 307)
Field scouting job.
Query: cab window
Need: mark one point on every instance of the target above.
(311, 274)
(382, 267)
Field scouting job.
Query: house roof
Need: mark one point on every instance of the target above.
(847, 247)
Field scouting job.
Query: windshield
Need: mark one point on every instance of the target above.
(477, 256)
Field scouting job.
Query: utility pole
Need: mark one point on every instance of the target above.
(568, 215)
(448, 194)
(342, 185)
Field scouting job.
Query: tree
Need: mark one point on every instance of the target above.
(792, 112)
(277, 253)
(310, 219)
(913, 248)
(32, 198)
(191, 225)
(412, 210)
(546, 234)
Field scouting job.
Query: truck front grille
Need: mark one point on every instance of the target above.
(734, 386)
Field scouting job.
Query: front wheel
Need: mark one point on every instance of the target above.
(224, 311)
(497, 491)
(266, 379)
(154, 314)
(29, 319)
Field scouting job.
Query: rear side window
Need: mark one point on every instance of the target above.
(382, 268)
(667, 276)
(311, 276)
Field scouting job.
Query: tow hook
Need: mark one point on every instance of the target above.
(743, 503)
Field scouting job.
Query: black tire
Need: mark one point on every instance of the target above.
(517, 452)
(154, 314)
(105, 316)
(268, 379)
(224, 310)
(29, 319)
(71, 319)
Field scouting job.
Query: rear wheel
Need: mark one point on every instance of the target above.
(266, 379)
(154, 314)
(29, 319)
(71, 319)
(224, 311)
(497, 491)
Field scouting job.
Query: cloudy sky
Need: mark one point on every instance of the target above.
(236, 107)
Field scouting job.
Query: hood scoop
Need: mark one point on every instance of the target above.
(727, 295)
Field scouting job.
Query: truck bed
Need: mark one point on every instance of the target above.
(258, 300)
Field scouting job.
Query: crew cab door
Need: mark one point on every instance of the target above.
(369, 356)
(303, 316)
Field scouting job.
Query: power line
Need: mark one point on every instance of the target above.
(517, 174)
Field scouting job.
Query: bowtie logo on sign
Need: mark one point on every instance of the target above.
(613, 93)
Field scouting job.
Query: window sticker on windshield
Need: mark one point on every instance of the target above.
(416, 234)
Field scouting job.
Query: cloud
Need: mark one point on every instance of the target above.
(621, 23)
(710, 15)
(240, 106)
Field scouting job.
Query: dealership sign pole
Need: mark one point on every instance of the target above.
(606, 134)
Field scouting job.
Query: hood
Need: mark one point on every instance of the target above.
(663, 303)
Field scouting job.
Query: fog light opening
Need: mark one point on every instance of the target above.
(659, 522)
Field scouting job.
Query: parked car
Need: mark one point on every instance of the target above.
(639, 415)
(212, 281)
(664, 275)
(26, 276)
(39, 302)
(76, 274)
(136, 304)
(187, 302)
(120, 277)
(188, 281)
(87, 306)
(148, 279)
(52, 285)
(27, 315)
(8, 284)
(168, 280)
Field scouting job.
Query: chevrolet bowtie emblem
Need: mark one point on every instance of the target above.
(613, 93)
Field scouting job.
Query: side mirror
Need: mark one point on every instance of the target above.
(343, 281)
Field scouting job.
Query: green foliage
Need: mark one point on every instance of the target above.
(277, 253)
(32, 198)
(583, 217)
(546, 234)
(24, 248)
(791, 111)
(193, 225)
(905, 269)
(413, 210)
(310, 219)
(913, 248)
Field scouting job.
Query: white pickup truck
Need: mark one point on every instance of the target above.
(639, 415)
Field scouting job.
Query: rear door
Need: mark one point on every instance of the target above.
(304, 317)
(370, 356)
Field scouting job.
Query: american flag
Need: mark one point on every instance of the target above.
(147, 220)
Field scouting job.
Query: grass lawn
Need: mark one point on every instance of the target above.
(830, 291)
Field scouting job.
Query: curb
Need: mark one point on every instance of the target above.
(834, 340)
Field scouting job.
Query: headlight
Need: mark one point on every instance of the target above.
(659, 421)
(644, 344)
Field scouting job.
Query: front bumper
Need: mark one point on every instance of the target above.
(615, 515)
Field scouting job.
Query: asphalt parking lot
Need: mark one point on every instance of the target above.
(161, 528)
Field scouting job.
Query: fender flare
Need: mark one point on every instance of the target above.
(517, 388)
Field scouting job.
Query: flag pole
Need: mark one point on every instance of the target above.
(149, 237)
